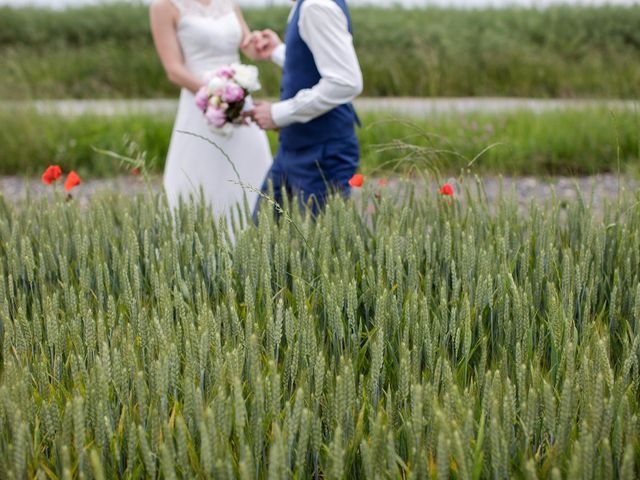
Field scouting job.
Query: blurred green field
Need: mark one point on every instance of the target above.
(572, 142)
(106, 51)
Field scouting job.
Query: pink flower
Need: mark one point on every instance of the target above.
(202, 98)
(232, 93)
(226, 72)
(215, 117)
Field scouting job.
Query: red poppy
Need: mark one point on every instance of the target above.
(51, 174)
(135, 171)
(73, 180)
(447, 189)
(383, 182)
(357, 180)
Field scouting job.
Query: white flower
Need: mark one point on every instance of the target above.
(216, 85)
(247, 77)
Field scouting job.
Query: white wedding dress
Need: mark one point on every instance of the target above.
(210, 37)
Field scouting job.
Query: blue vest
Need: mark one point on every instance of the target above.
(300, 72)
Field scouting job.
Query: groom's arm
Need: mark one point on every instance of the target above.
(324, 28)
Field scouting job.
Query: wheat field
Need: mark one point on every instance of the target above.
(400, 335)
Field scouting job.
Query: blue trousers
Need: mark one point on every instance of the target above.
(309, 175)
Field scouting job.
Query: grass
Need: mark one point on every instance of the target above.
(430, 339)
(568, 142)
(106, 51)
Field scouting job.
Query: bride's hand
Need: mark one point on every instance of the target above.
(249, 46)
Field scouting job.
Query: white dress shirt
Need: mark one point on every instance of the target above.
(324, 28)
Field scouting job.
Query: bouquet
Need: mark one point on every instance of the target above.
(227, 96)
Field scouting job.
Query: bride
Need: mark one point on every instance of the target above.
(193, 38)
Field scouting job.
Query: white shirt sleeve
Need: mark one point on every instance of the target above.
(279, 54)
(324, 28)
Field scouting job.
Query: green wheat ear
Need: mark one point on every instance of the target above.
(472, 341)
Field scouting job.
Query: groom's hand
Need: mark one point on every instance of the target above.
(266, 42)
(262, 116)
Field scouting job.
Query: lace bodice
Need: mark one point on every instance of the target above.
(214, 9)
(209, 34)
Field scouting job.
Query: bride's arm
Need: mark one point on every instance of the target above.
(163, 18)
(247, 46)
(260, 45)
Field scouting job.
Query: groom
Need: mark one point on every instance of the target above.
(319, 151)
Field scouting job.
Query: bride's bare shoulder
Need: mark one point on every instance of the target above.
(164, 7)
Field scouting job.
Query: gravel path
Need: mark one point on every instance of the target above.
(413, 107)
(525, 189)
